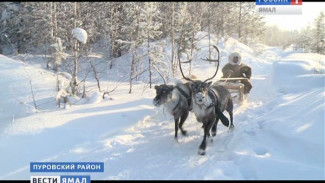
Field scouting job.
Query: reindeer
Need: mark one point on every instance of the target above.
(209, 102)
(177, 100)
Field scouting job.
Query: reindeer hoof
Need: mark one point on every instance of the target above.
(214, 134)
(184, 133)
(231, 128)
(201, 152)
(211, 140)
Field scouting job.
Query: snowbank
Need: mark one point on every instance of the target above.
(298, 72)
(15, 93)
(96, 97)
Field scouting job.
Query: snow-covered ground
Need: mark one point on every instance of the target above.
(279, 132)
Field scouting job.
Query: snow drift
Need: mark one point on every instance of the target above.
(299, 72)
(16, 93)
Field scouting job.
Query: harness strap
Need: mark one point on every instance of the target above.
(188, 97)
(218, 111)
(176, 106)
(182, 92)
(213, 97)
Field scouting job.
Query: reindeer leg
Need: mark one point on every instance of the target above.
(230, 112)
(203, 145)
(221, 116)
(214, 127)
(183, 118)
(231, 127)
(176, 127)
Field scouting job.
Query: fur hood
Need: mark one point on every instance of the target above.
(231, 56)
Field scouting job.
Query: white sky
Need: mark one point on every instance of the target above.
(310, 10)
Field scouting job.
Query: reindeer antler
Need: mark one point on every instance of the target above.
(214, 61)
(180, 67)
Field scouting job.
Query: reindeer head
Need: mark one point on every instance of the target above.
(163, 93)
(200, 88)
(200, 91)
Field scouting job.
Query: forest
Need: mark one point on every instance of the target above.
(124, 27)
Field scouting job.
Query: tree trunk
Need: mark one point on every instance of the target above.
(132, 65)
(222, 20)
(148, 42)
(54, 52)
(192, 49)
(181, 35)
(52, 24)
(96, 75)
(239, 24)
(134, 56)
(75, 69)
(209, 14)
(55, 28)
(150, 72)
(20, 37)
(112, 36)
(0, 47)
(54, 21)
(172, 38)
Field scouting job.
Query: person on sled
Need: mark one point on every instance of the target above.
(236, 69)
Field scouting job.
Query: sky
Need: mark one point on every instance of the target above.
(310, 10)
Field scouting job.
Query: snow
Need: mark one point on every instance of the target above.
(15, 93)
(80, 34)
(296, 72)
(96, 98)
(279, 132)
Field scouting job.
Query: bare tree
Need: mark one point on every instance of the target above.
(74, 81)
(135, 45)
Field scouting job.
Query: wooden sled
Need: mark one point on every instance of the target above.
(234, 86)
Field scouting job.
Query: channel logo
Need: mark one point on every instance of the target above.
(61, 179)
(278, 2)
(279, 7)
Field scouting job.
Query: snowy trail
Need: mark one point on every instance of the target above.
(135, 140)
(246, 153)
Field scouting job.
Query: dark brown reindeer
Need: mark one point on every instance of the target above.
(208, 103)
